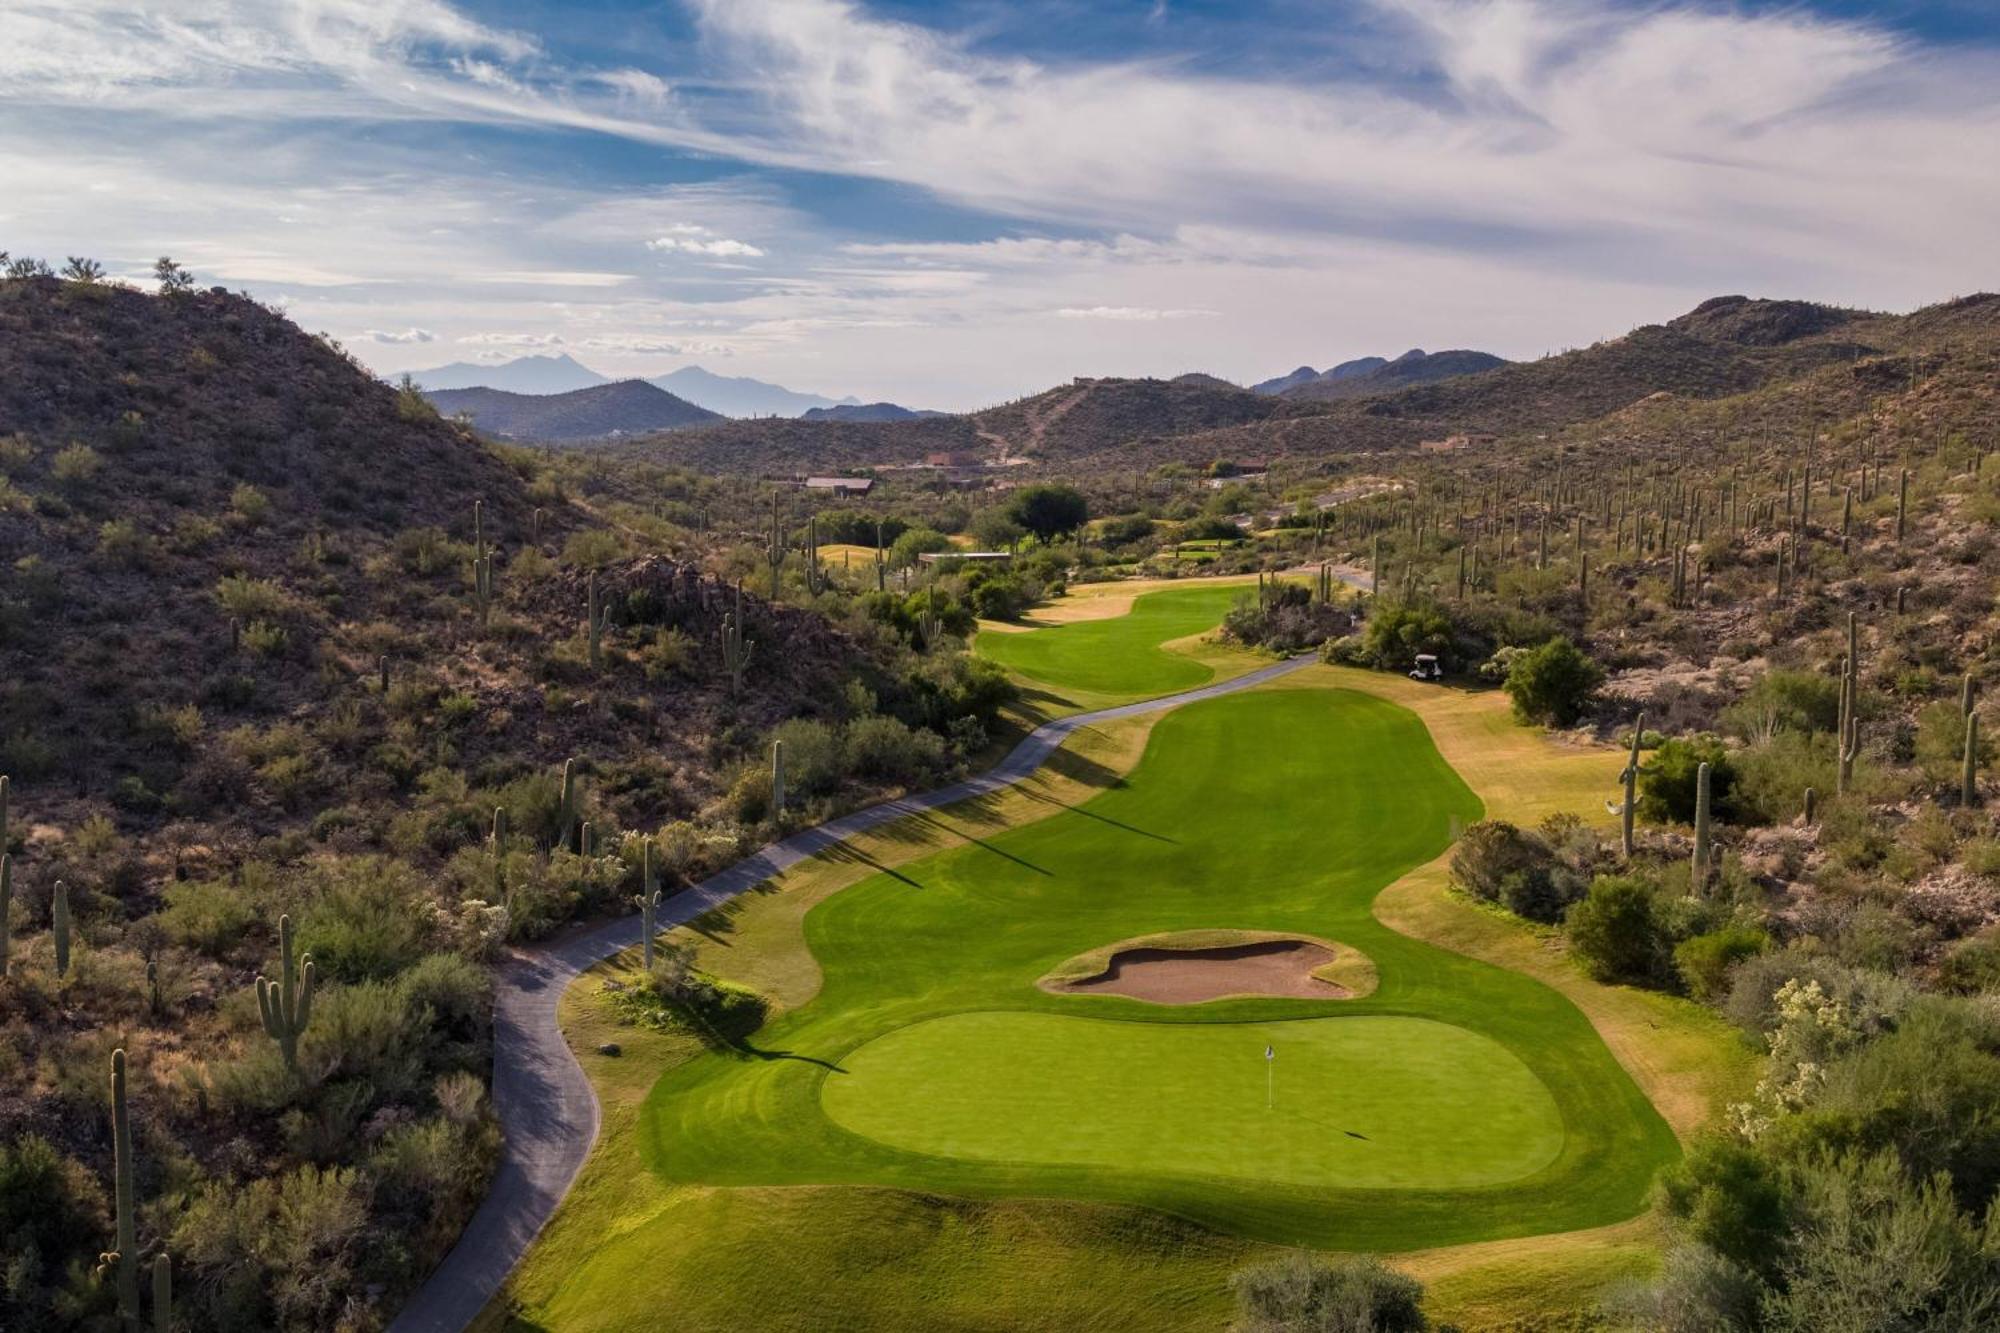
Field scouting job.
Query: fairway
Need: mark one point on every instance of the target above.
(1121, 655)
(931, 1060)
(1363, 1102)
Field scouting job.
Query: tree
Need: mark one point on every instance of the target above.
(1398, 631)
(1616, 932)
(86, 271)
(1048, 510)
(173, 279)
(995, 530)
(1552, 683)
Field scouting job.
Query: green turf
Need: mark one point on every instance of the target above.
(1120, 655)
(1370, 1101)
(1280, 810)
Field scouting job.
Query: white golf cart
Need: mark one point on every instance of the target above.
(1427, 668)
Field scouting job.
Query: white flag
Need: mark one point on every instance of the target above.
(1270, 1053)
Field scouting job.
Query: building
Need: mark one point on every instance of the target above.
(841, 486)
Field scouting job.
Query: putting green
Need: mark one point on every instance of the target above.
(1281, 810)
(1122, 654)
(1380, 1102)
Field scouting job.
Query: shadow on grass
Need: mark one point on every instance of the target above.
(849, 854)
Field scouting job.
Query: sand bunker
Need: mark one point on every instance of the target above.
(1166, 972)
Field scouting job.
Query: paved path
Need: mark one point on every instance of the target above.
(548, 1113)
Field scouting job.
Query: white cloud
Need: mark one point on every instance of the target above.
(398, 338)
(549, 278)
(510, 339)
(719, 246)
(1128, 312)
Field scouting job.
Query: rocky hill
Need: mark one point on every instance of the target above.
(866, 412)
(623, 407)
(1411, 368)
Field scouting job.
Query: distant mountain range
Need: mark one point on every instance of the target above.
(621, 407)
(868, 412)
(1374, 374)
(727, 395)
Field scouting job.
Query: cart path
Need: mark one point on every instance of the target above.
(548, 1112)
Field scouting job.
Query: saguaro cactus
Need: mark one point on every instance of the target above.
(126, 1256)
(1968, 779)
(1703, 848)
(1628, 811)
(163, 1293)
(1902, 504)
(482, 564)
(595, 621)
(1812, 805)
(1849, 739)
(59, 927)
(499, 854)
(648, 900)
(286, 1004)
(777, 778)
(736, 651)
(566, 809)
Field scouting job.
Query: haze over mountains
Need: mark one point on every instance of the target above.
(602, 411)
(725, 395)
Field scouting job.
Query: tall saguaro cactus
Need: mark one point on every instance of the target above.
(736, 651)
(1629, 810)
(1968, 778)
(1848, 747)
(482, 565)
(163, 1293)
(648, 900)
(1704, 850)
(126, 1256)
(499, 854)
(567, 808)
(59, 927)
(286, 1004)
(595, 619)
(777, 778)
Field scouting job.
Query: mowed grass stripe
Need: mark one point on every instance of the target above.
(1280, 810)
(1356, 1102)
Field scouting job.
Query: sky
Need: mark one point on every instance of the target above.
(949, 204)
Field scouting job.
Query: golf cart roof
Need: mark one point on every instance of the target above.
(1427, 657)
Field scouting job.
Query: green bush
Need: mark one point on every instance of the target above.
(1668, 779)
(367, 919)
(276, 1253)
(1768, 782)
(52, 1212)
(1397, 631)
(1553, 683)
(1704, 962)
(213, 915)
(1972, 966)
(1781, 701)
(1617, 933)
(1049, 510)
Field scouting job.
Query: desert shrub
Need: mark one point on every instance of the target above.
(430, 551)
(1553, 683)
(1781, 701)
(813, 761)
(1303, 1293)
(430, 1175)
(1704, 961)
(1940, 742)
(1972, 966)
(1667, 780)
(275, 1253)
(1730, 1199)
(249, 504)
(885, 749)
(592, 548)
(1491, 853)
(75, 466)
(1768, 782)
(1397, 631)
(249, 599)
(213, 915)
(665, 653)
(366, 919)
(51, 1211)
(1617, 932)
(120, 542)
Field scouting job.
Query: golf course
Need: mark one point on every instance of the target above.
(924, 1136)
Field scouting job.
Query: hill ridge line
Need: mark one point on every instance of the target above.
(549, 1114)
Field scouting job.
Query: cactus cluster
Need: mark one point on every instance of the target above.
(286, 1004)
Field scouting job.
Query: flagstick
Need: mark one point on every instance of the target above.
(1270, 1084)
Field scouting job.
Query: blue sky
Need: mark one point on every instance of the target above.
(951, 203)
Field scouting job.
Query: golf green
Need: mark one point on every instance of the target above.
(1120, 654)
(1380, 1102)
(931, 1061)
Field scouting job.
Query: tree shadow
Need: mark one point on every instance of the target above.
(849, 854)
